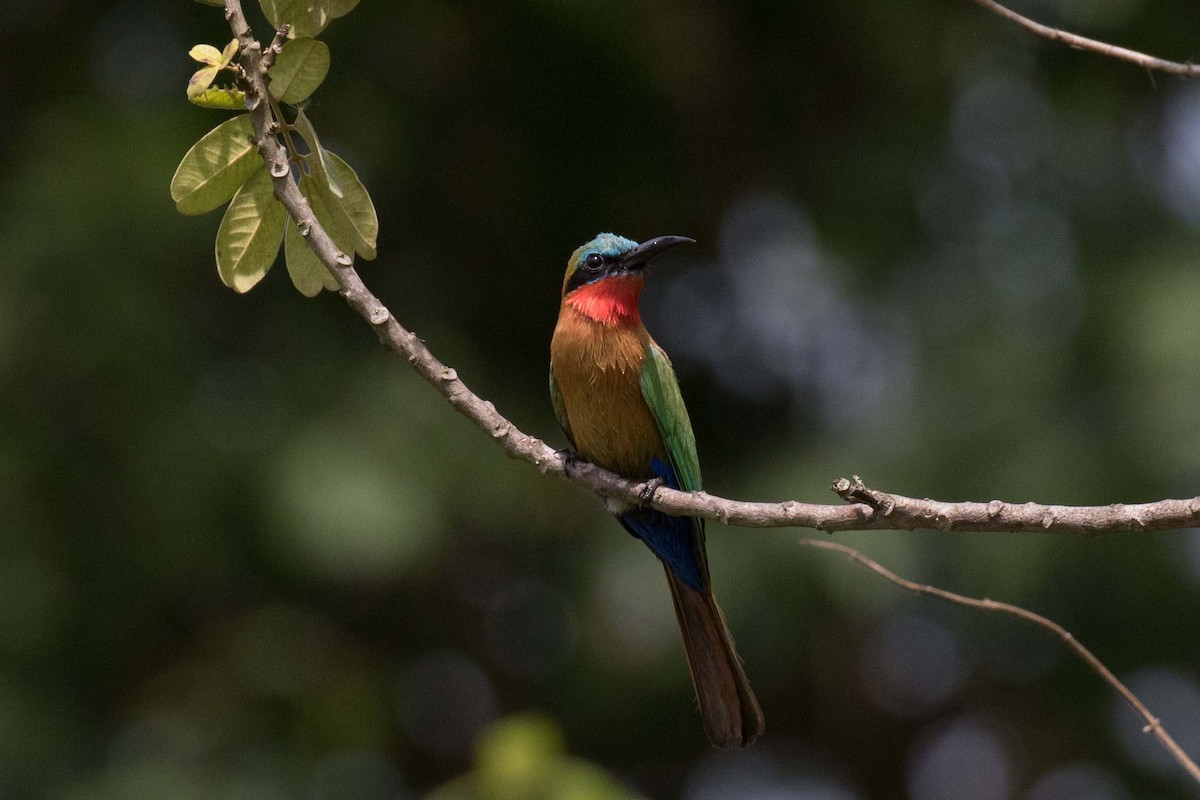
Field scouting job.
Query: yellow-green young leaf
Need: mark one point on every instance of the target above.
(338, 8)
(318, 162)
(308, 274)
(229, 52)
(206, 54)
(215, 167)
(303, 15)
(250, 233)
(200, 81)
(353, 213)
(222, 99)
(299, 69)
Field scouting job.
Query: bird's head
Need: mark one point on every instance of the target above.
(604, 276)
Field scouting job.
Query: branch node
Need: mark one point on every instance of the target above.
(1048, 520)
(304, 228)
(994, 509)
(280, 169)
(449, 375)
(855, 491)
(344, 260)
(379, 315)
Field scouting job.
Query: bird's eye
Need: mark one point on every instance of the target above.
(595, 261)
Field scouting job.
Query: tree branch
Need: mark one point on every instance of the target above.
(868, 510)
(897, 512)
(1153, 724)
(1083, 43)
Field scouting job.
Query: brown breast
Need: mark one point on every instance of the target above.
(598, 371)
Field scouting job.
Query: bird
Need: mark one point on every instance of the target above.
(617, 399)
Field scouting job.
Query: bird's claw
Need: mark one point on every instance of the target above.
(648, 489)
(570, 459)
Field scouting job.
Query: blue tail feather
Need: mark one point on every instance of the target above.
(673, 539)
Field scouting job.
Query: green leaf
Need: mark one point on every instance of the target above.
(318, 162)
(200, 81)
(339, 8)
(342, 233)
(223, 99)
(307, 272)
(299, 69)
(211, 172)
(305, 17)
(212, 2)
(250, 233)
(352, 214)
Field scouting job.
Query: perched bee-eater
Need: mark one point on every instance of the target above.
(618, 402)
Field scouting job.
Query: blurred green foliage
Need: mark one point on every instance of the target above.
(245, 553)
(521, 758)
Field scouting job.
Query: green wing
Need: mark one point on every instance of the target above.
(560, 408)
(661, 392)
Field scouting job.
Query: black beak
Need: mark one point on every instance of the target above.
(640, 256)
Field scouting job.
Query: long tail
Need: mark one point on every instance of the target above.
(731, 714)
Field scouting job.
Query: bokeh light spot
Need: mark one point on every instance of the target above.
(531, 628)
(1077, 782)
(764, 775)
(346, 517)
(910, 664)
(447, 699)
(962, 759)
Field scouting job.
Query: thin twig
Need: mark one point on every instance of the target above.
(1153, 724)
(1083, 43)
(868, 510)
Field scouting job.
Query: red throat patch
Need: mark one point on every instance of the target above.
(609, 301)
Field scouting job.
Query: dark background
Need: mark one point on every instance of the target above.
(246, 553)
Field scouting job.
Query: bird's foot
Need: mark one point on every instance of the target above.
(570, 459)
(648, 489)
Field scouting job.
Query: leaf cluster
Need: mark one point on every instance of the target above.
(307, 17)
(224, 165)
